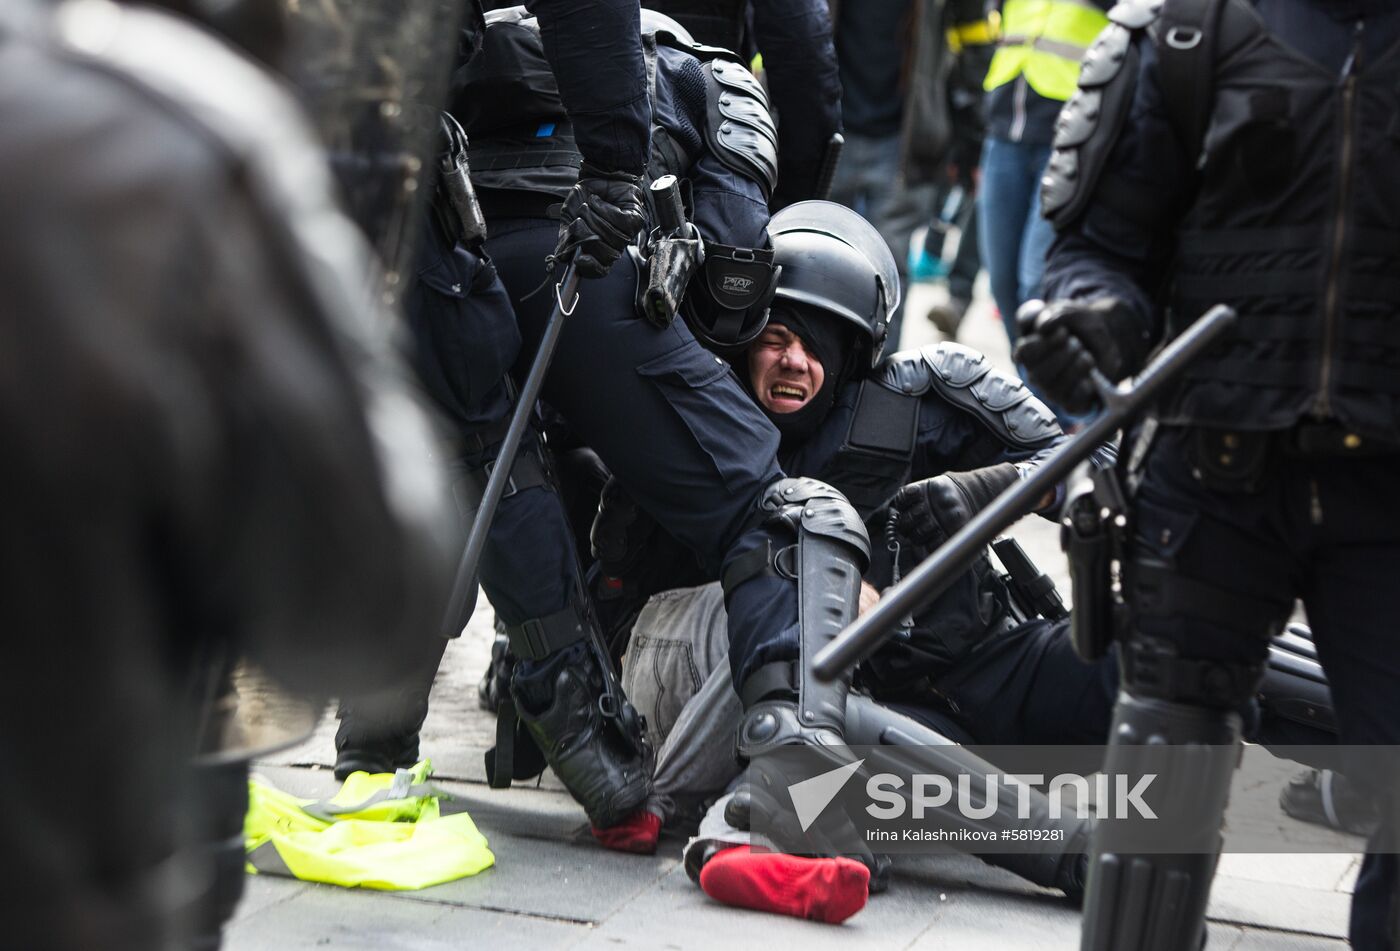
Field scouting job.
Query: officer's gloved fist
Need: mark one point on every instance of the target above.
(601, 216)
(1062, 343)
(931, 511)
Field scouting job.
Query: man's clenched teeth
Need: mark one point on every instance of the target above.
(787, 391)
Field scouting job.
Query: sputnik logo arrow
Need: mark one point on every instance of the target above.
(811, 796)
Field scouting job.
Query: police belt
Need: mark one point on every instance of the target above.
(499, 203)
(1331, 438)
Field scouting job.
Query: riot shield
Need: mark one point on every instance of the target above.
(373, 74)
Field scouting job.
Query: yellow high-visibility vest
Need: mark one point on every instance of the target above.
(1044, 40)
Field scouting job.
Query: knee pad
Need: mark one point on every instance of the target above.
(1157, 899)
(824, 550)
(794, 511)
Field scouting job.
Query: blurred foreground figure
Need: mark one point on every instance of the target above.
(205, 453)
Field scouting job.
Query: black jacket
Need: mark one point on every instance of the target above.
(185, 382)
(1292, 218)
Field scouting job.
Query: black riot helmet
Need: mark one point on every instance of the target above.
(834, 260)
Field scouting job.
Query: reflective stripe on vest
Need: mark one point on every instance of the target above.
(1045, 40)
(975, 33)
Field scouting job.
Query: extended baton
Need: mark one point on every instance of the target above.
(463, 599)
(831, 158)
(1118, 404)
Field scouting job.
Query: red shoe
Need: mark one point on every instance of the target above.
(829, 890)
(637, 833)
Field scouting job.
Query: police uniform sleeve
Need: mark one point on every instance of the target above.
(799, 61)
(594, 48)
(1119, 175)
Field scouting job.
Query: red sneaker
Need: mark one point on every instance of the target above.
(829, 890)
(637, 833)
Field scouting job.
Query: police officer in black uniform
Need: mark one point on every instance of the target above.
(1239, 152)
(664, 413)
(196, 411)
(934, 434)
(799, 68)
(466, 339)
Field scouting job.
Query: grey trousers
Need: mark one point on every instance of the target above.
(676, 673)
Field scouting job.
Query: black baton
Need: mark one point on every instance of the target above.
(830, 160)
(1118, 404)
(463, 600)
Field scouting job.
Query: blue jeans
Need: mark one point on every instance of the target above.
(1014, 237)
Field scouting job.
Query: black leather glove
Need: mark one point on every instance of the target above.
(932, 510)
(601, 216)
(1061, 343)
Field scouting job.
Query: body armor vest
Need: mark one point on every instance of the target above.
(874, 459)
(521, 141)
(1296, 223)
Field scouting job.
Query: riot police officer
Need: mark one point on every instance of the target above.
(197, 410)
(466, 338)
(664, 413)
(1238, 152)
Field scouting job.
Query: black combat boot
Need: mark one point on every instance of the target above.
(591, 738)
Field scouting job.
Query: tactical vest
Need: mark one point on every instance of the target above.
(1296, 224)
(875, 460)
(521, 141)
(1044, 40)
(876, 456)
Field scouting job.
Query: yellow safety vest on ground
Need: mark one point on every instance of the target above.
(382, 830)
(1045, 40)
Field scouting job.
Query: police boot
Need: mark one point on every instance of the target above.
(378, 733)
(826, 552)
(570, 704)
(495, 679)
(1141, 897)
(1326, 797)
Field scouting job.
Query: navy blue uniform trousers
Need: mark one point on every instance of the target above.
(1326, 530)
(666, 416)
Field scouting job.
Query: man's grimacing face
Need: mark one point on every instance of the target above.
(785, 375)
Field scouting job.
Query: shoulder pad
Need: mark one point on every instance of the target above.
(904, 372)
(1088, 124)
(967, 379)
(741, 130)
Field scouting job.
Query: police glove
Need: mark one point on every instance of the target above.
(1062, 343)
(932, 510)
(601, 216)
